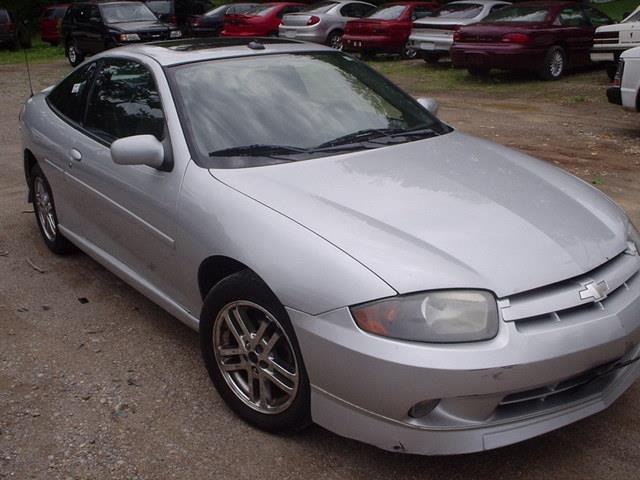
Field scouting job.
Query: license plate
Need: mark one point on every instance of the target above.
(427, 46)
(602, 57)
(289, 33)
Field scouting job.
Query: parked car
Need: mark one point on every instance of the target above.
(178, 12)
(386, 29)
(543, 37)
(323, 22)
(611, 40)
(346, 257)
(432, 36)
(91, 27)
(259, 21)
(211, 23)
(626, 88)
(50, 20)
(13, 34)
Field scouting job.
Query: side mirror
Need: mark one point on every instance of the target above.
(138, 150)
(430, 104)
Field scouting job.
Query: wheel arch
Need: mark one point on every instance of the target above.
(215, 268)
(29, 162)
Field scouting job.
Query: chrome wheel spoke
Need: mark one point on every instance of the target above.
(231, 352)
(233, 329)
(278, 382)
(268, 347)
(234, 367)
(265, 390)
(242, 323)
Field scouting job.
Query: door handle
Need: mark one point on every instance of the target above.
(75, 155)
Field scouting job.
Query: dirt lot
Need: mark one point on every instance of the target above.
(114, 387)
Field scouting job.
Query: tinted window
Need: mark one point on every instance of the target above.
(161, 7)
(420, 12)
(321, 7)
(596, 17)
(573, 17)
(459, 11)
(518, 15)
(124, 102)
(300, 101)
(356, 10)
(126, 12)
(69, 96)
(392, 12)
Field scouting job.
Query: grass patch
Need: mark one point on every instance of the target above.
(39, 52)
(617, 8)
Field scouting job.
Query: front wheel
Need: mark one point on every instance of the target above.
(554, 64)
(74, 55)
(334, 40)
(408, 52)
(252, 355)
(46, 217)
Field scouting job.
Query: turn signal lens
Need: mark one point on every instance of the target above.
(516, 38)
(444, 316)
(313, 20)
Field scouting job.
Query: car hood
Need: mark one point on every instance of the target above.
(146, 26)
(447, 212)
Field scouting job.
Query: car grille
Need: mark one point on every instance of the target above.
(153, 36)
(606, 38)
(570, 299)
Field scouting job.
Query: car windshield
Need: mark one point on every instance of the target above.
(4, 17)
(260, 110)
(126, 12)
(634, 17)
(321, 7)
(161, 7)
(458, 11)
(518, 14)
(216, 11)
(392, 12)
(260, 10)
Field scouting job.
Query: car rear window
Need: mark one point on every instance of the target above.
(459, 11)
(4, 17)
(321, 7)
(517, 14)
(260, 10)
(392, 12)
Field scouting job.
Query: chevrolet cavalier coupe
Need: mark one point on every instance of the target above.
(347, 258)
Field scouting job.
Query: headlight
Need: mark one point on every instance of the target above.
(175, 34)
(446, 316)
(129, 37)
(633, 240)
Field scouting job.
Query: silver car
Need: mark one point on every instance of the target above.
(432, 36)
(347, 258)
(323, 22)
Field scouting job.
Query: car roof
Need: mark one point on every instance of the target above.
(190, 50)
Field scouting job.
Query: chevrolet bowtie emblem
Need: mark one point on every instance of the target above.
(596, 291)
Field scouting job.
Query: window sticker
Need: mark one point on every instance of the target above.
(76, 87)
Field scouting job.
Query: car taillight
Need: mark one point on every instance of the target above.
(457, 36)
(516, 38)
(617, 80)
(195, 22)
(313, 20)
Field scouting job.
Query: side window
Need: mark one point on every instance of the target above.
(364, 10)
(348, 10)
(94, 14)
(573, 17)
(596, 17)
(68, 97)
(124, 102)
(82, 14)
(495, 8)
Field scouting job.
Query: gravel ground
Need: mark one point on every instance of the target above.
(98, 382)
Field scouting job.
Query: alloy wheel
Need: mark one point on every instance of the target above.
(44, 209)
(72, 54)
(255, 357)
(556, 64)
(336, 41)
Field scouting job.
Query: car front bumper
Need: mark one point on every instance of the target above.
(313, 33)
(506, 56)
(528, 380)
(607, 53)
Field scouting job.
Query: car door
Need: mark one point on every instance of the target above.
(128, 212)
(95, 31)
(577, 33)
(80, 28)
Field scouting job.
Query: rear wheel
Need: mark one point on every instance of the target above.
(252, 355)
(334, 40)
(408, 52)
(74, 55)
(554, 64)
(45, 211)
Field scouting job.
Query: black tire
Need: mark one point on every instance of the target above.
(245, 286)
(478, 71)
(51, 235)
(73, 53)
(611, 69)
(431, 58)
(554, 64)
(334, 40)
(407, 52)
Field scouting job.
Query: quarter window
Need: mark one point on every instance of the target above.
(68, 98)
(124, 102)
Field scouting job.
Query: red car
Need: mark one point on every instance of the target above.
(386, 29)
(260, 21)
(49, 20)
(545, 37)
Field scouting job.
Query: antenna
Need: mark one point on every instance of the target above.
(26, 58)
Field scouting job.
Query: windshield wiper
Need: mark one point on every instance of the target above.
(256, 150)
(359, 136)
